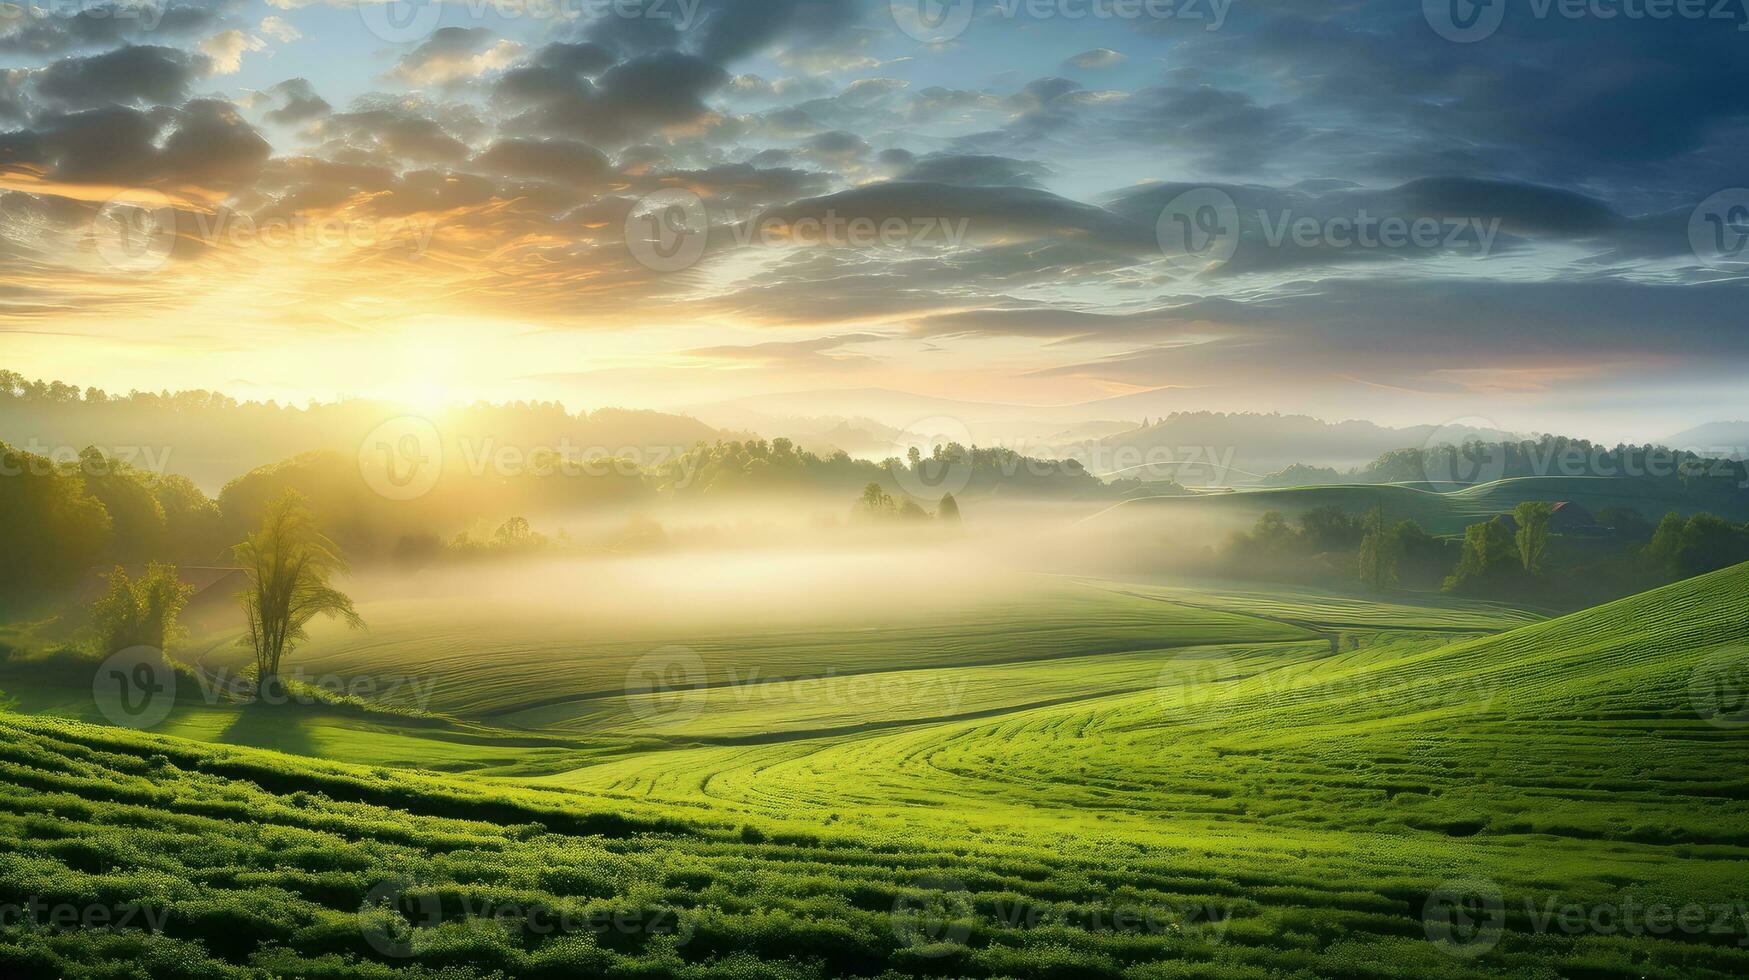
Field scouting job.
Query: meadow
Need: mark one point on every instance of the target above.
(1059, 777)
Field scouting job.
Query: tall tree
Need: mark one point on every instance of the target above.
(1378, 552)
(288, 563)
(1533, 533)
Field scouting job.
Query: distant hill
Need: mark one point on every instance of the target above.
(211, 438)
(1729, 439)
(1439, 513)
(1217, 448)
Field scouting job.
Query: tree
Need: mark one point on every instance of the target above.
(514, 533)
(1379, 550)
(876, 502)
(1329, 528)
(136, 516)
(1272, 536)
(948, 510)
(1423, 560)
(1702, 543)
(140, 612)
(1488, 559)
(288, 564)
(1533, 533)
(52, 528)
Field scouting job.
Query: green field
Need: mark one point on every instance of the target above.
(1080, 779)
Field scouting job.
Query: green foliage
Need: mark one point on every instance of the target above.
(1702, 543)
(288, 565)
(1532, 537)
(1380, 550)
(1488, 563)
(140, 612)
(55, 530)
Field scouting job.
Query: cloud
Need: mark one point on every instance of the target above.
(984, 214)
(128, 75)
(818, 352)
(1095, 59)
(280, 30)
(38, 31)
(977, 170)
(563, 161)
(205, 142)
(226, 49)
(630, 100)
(298, 102)
(454, 54)
(398, 130)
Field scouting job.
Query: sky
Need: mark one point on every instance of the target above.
(1531, 212)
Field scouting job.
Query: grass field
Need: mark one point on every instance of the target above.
(1097, 779)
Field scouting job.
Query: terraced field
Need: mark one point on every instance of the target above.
(1328, 791)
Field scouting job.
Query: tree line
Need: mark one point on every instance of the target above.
(1518, 557)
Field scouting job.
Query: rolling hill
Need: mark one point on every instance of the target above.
(1441, 513)
(1408, 804)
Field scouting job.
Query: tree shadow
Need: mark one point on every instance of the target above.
(280, 727)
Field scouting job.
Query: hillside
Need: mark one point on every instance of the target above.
(1310, 813)
(1440, 513)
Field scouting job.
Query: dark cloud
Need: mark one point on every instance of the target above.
(735, 29)
(38, 32)
(744, 185)
(984, 213)
(204, 142)
(836, 147)
(211, 144)
(1402, 331)
(396, 130)
(977, 170)
(563, 161)
(128, 75)
(298, 102)
(630, 99)
(108, 145)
